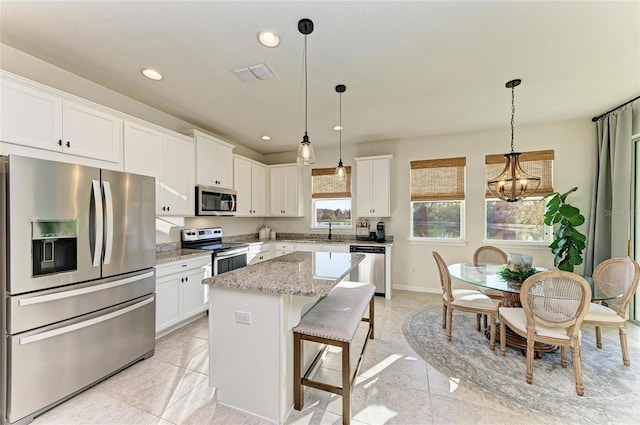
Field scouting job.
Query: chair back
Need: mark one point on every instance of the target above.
(624, 274)
(556, 299)
(445, 277)
(489, 255)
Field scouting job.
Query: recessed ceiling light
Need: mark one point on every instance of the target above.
(152, 74)
(266, 138)
(268, 38)
(338, 128)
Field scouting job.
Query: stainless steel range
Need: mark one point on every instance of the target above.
(77, 279)
(226, 256)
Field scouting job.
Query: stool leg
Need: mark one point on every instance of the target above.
(371, 313)
(346, 384)
(298, 391)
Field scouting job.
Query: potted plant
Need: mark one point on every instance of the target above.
(569, 242)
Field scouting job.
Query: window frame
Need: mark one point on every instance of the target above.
(315, 225)
(547, 230)
(463, 220)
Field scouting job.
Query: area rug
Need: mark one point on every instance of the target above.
(611, 390)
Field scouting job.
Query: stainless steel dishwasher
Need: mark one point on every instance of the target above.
(371, 269)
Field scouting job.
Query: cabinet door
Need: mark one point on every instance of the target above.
(30, 117)
(258, 189)
(380, 203)
(242, 179)
(290, 198)
(364, 189)
(194, 293)
(167, 302)
(277, 191)
(91, 133)
(214, 162)
(178, 177)
(143, 154)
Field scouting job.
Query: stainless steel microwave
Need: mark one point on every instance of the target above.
(215, 201)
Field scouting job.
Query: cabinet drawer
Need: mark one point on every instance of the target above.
(182, 265)
(285, 246)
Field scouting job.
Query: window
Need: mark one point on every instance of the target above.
(521, 221)
(331, 198)
(437, 198)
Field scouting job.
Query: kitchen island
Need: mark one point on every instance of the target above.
(252, 312)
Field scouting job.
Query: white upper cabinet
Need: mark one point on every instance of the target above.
(285, 196)
(169, 157)
(214, 166)
(35, 116)
(250, 182)
(373, 186)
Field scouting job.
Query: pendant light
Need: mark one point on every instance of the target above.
(341, 172)
(513, 184)
(306, 155)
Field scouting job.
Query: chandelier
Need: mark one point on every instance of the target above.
(513, 184)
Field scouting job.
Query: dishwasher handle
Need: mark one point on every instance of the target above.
(367, 249)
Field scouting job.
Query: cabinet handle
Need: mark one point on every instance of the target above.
(68, 144)
(164, 208)
(59, 142)
(182, 279)
(168, 208)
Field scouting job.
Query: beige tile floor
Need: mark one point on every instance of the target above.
(395, 385)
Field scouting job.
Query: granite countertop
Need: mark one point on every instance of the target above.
(179, 254)
(310, 274)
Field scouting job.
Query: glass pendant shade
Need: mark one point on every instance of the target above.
(341, 172)
(306, 154)
(513, 184)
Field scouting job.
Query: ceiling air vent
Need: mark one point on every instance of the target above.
(261, 71)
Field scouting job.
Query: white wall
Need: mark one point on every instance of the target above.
(572, 141)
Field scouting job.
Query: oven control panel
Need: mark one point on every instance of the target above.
(200, 234)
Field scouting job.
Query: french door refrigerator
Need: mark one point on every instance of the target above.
(77, 258)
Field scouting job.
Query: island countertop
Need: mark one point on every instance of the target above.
(311, 274)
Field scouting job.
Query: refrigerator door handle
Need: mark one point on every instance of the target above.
(108, 207)
(80, 325)
(98, 222)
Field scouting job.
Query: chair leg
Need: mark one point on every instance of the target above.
(484, 318)
(444, 316)
(598, 337)
(346, 385)
(623, 345)
(503, 338)
(449, 320)
(492, 339)
(478, 317)
(577, 369)
(530, 356)
(298, 394)
(563, 356)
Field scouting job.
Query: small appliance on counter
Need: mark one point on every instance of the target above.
(362, 229)
(380, 237)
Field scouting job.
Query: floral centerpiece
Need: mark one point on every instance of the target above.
(518, 268)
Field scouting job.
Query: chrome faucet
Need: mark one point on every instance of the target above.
(329, 229)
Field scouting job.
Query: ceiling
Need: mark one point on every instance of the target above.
(412, 69)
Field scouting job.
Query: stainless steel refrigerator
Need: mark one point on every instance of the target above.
(77, 258)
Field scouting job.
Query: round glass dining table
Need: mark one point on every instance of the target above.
(485, 275)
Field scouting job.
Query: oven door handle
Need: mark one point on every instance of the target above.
(84, 324)
(231, 253)
(82, 291)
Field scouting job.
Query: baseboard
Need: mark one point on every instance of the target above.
(417, 289)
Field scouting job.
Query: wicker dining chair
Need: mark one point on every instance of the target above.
(624, 274)
(488, 254)
(554, 304)
(467, 300)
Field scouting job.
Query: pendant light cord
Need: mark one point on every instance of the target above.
(513, 113)
(340, 124)
(305, 84)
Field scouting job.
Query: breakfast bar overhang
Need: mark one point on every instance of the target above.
(252, 312)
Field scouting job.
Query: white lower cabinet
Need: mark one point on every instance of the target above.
(180, 294)
(259, 252)
(283, 248)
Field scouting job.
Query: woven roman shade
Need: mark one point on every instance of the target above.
(325, 183)
(438, 179)
(534, 163)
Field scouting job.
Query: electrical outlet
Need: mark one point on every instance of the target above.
(243, 317)
(413, 269)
